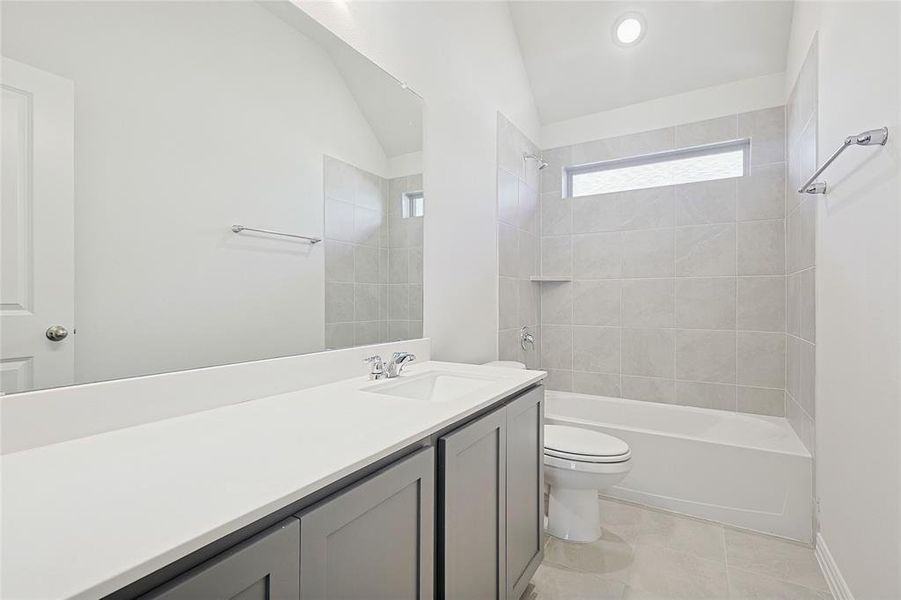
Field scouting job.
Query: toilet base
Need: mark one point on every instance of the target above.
(574, 515)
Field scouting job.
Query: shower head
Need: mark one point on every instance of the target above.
(537, 158)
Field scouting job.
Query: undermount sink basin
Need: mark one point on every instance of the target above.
(433, 386)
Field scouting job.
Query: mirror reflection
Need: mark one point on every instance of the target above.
(143, 146)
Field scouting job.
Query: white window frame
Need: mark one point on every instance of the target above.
(743, 144)
(408, 206)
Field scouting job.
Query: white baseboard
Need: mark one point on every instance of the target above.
(837, 584)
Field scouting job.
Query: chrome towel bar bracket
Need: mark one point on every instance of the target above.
(873, 137)
(312, 240)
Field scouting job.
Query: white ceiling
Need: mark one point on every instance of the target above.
(576, 69)
(394, 113)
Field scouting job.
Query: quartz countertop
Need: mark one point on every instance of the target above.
(86, 517)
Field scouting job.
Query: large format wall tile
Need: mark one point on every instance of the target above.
(648, 253)
(594, 256)
(761, 248)
(522, 218)
(648, 302)
(705, 250)
(761, 303)
(596, 349)
(595, 302)
(648, 352)
(691, 277)
(706, 202)
(705, 356)
(705, 303)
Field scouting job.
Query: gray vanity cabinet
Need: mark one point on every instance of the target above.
(472, 486)
(491, 487)
(374, 540)
(525, 490)
(265, 567)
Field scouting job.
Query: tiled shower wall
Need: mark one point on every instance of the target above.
(373, 258)
(678, 293)
(518, 245)
(404, 263)
(800, 241)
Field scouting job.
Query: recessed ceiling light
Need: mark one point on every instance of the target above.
(629, 29)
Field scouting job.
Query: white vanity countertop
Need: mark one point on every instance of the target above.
(86, 517)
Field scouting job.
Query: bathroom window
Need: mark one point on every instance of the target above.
(673, 167)
(412, 205)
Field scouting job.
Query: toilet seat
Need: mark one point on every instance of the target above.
(579, 445)
(603, 468)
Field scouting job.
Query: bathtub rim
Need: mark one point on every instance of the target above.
(801, 451)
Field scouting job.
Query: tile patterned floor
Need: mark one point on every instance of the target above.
(647, 554)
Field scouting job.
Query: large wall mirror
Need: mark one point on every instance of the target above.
(143, 143)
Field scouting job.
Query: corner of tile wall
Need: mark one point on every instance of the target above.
(800, 253)
(518, 252)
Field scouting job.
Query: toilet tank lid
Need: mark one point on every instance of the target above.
(586, 442)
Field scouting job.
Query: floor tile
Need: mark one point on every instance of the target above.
(744, 585)
(610, 557)
(684, 534)
(555, 583)
(648, 554)
(671, 574)
(773, 557)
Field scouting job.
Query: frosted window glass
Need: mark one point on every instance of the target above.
(413, 205)
(672, 169)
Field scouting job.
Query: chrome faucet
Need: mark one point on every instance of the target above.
(393, 369)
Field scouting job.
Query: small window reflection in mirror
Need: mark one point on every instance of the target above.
(412, 205)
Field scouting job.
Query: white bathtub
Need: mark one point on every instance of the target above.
(744, 470)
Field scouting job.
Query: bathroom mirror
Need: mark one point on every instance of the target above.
(188, 184)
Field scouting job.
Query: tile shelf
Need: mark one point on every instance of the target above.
(550, 278)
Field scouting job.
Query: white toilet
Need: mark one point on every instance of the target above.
(578, 463)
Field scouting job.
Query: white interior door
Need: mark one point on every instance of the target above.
(37, 269)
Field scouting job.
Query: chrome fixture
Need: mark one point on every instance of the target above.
(393, 369)
(312, 240)
(526, 337)
(378, 367)
(867, 138)
(397, 363)
(536, 157)
(57, 333)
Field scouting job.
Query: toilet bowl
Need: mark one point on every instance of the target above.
(578, 463)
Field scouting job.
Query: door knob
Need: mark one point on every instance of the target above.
(57, 333)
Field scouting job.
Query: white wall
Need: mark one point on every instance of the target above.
(698, 105)
(463, 85)
(191, 117)
(858, 409)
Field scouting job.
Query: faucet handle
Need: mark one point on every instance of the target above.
(378, 366)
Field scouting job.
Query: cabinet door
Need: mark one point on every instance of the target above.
(265, 567)
(473, 465)
(375, 540)
(525, 489)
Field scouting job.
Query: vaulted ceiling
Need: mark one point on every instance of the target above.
(575, 68)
